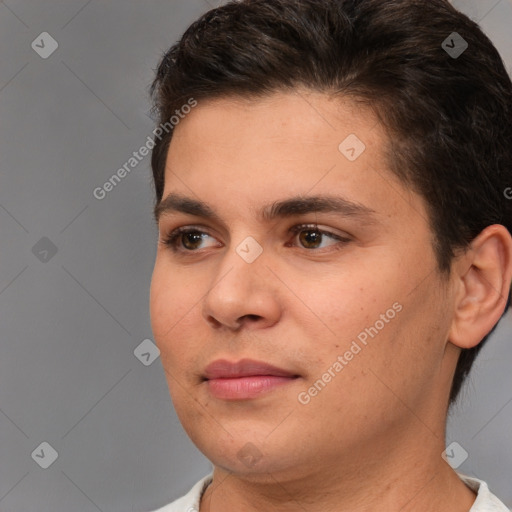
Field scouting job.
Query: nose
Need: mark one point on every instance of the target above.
(242, 294)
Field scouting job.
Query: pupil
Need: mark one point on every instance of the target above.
(189, 236)
(310, 237)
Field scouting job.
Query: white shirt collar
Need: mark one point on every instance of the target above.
(485, 500)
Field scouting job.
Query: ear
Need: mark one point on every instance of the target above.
(482, 278)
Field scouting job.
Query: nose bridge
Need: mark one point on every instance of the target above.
(240, 266)
(240, 287)
(245, 250)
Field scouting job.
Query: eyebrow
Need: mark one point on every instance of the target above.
(298, 205)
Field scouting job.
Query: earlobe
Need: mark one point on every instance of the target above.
(484, 279)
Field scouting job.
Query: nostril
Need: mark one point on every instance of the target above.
(250, 317)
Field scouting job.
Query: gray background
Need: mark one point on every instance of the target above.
(70, 322)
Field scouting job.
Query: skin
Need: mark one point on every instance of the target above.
(372, 439)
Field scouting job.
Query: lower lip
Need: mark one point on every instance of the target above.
(245, 387)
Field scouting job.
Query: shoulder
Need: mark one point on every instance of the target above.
(485, 501)
(190, 501)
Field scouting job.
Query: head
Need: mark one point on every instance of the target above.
(278, 87)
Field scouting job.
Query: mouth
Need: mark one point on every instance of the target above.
(244, 379)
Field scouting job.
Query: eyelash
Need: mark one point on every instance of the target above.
(172, 239)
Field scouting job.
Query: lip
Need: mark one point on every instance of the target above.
(244, 379)
(224, 369)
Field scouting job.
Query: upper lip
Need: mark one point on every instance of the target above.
(223, 369)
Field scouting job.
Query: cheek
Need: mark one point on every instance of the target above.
(170, 308)
(367, 318)
(341, 305)
(159, 303)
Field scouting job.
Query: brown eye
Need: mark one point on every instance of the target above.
(185, 240)
(309, 238)
(191, 239)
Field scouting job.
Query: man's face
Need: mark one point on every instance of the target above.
(360, 321)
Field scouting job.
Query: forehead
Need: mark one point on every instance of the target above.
(253, 151)
(301, 116)
(268, 137)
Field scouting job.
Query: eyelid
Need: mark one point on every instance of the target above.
(297, 228)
